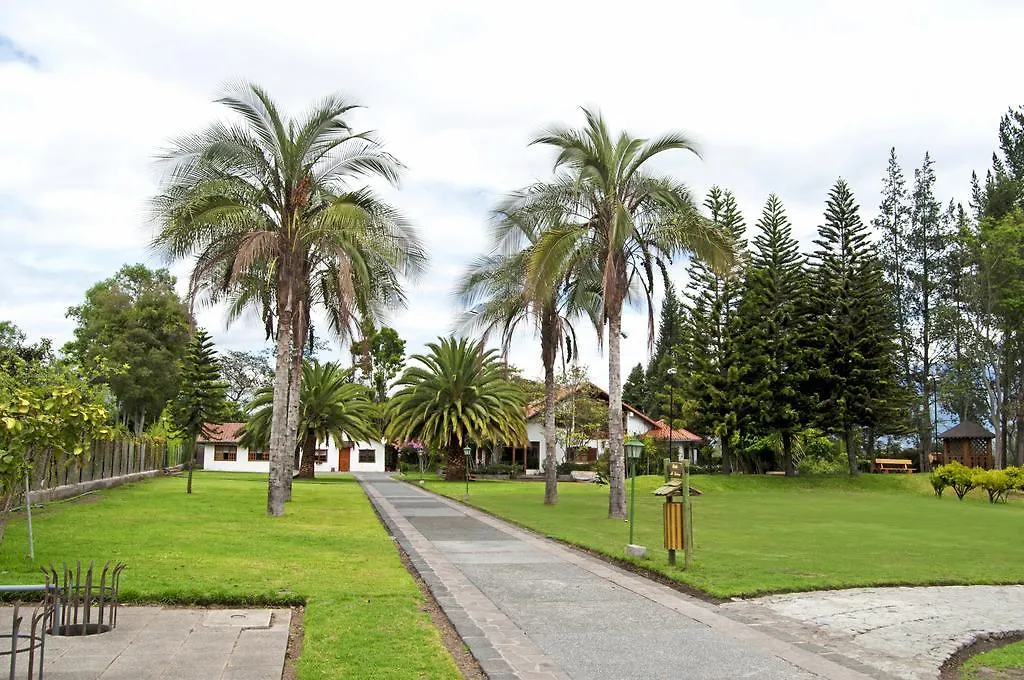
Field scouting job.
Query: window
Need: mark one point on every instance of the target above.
(367, 456)
(225, 452)
(320, 456)
(255, 456)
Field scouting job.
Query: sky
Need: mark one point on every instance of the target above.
(782, 97)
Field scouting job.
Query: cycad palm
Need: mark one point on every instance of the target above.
(612, 219)
(495, 292)
(330, 405)
(269, 199)
(456, 396)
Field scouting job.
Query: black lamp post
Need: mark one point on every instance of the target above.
(671, 390)
(634, 448)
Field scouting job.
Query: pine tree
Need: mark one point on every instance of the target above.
(202, 398)
(927, 242)
(712, 379)
(855, 375)
(772, 326)
(634, 391)
(669, 352)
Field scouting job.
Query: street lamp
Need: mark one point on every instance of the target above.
(671, 385)
(466, 450)
(633, 448)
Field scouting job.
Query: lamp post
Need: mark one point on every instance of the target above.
(633, 450)
(671, 385)
(466, 450)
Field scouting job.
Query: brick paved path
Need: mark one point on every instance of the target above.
(533, 609)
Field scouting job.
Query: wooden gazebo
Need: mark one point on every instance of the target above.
(969, 444)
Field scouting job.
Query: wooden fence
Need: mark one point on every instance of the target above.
(102, 460)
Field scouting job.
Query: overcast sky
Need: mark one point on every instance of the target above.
(782, 97)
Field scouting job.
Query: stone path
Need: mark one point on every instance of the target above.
(901, 632)
(153, 643)
(533, 609)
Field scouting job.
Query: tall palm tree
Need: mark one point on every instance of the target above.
(456, 396)
(611, 217)
(330, 405)
(268, 198)
(495, 294)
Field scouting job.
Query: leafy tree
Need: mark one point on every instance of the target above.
(14, 346)
(856, 376)
(456, 396)
(330, 405)
(580, 416)
(614, 222)
(712, 389)
(772, 326)
(634, 392)
(136, 327)
(245, 374)
(266, 208)
(202, 397)
(379, 355)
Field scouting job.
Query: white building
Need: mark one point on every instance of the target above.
(637, 424)
(220, 451)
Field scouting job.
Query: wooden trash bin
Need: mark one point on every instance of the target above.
(675, 536)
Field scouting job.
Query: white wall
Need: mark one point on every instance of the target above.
(635, 425)
(243, 464)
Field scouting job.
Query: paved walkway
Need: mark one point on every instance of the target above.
(533, 609)
(170, 643)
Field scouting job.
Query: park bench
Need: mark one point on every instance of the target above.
(583, 476)
(894, 465)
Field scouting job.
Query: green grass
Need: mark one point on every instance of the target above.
(1002, 658)
(363, 616)
(764, 534)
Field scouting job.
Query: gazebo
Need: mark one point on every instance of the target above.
(969, 444)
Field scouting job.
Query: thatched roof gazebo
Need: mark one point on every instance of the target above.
(969, 444)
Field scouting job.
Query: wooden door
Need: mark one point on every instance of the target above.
(344, 455)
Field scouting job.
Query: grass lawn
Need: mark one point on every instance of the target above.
(763, 534)
(1002, 658)
(362, 617)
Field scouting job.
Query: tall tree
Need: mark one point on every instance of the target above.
(670, 350)
(245, 374)
(772, 326)
(330, 405)
(927, 242)
(135, 329)
(856, 375)
(712, 387)
(202, 397)
(616, 222)
(634, 391)
(455, 395)
(266, 207)
(379, 356)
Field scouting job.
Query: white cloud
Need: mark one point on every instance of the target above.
(783, 97)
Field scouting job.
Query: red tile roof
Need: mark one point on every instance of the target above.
(661, 431)
(218, 433)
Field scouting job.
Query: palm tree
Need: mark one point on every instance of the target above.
(611, 218)
(495, 294)
(330, 405)
(268, 199)
(455, 397)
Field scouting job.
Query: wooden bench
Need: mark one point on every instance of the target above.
(893, 465)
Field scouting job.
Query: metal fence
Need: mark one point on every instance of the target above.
(102, 460)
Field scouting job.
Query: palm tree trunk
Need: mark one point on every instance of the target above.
(294, 388)
(616, 461)
(279, 450)
(307, 468)
(548, 347)
(455, 465)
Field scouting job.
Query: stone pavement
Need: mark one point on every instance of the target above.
(901, 632)
(153, 643)
(533, 609)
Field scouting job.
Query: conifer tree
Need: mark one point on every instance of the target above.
(855, 372)
(772, 327)
(202, 398)
(670, 351)
(712, 378)
(634, 391)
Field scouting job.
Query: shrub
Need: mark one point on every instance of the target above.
(498, 469)
(1016, 477)
(567, 467)
(939, 480)
(960, 477)
(995, 482)
(821, 466)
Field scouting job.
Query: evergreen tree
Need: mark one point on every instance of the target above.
(202, 398)
(712, 378)
(927, 242)
(772, 326)
(669, 352)
(855, 374)
(634, 391)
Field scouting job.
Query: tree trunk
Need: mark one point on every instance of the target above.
(455, 465)
(191, 464)
(548, 348)
(299, 330)
(307, 468)
(727, 452)
(1019, 448)
(787, 453)
(851, 455)
(616, 461)
(280, 453)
